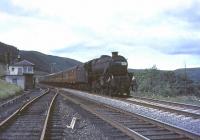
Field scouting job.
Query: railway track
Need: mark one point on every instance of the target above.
(54, 127)
(16, 99)
(178, 108)
(133, 126)
(172, 107)
(187, 110)
(10, 106)
(29, 121)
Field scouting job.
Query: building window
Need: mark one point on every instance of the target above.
(25, 69)
(30, 69)
(13, 69)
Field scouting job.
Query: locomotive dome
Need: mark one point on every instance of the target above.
(104, 56)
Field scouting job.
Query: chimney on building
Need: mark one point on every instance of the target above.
(18, 57)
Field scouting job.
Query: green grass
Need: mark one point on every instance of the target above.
(7, 90)
(189, 99)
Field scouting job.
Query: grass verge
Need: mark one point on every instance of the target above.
(8, 90)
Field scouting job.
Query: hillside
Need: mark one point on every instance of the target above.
(7, 53)
(192, 73)
(43, 62)
(167, 83)
(48, 63)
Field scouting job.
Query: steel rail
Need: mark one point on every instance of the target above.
(11, 100)
(169, 102)
(16, 98)
(115, 124)
(42, 137)
(168, 109)
(21, 108)
(167, 126)
(161, 124)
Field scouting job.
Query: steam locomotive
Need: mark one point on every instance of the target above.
(105, 75)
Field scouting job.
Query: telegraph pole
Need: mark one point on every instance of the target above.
(53, 67)
(185, 76)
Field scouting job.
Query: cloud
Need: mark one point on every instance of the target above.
(8, 7)
(30, 33)
(146, 32)
(82, 47)
(188, 47)
(190, 15)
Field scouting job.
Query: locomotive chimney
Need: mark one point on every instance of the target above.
(18, 56)
(114, 54)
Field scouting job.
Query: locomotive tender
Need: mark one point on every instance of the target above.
(105, 75)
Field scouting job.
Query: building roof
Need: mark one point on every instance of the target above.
(23, 63)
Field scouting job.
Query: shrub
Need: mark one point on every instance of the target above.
(165, 83)
(7, 90)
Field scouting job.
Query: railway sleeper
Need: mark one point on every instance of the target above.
(140, 126)
(151, 133)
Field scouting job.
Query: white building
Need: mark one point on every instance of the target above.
(21, 73)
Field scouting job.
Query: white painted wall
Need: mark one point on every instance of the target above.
(19, 70)
(13, 70)
(18, 80)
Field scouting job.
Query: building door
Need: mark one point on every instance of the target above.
(28, 81)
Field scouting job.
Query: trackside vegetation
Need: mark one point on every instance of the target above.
(166, 85)
(8, 90)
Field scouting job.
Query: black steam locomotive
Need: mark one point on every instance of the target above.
(105, 75)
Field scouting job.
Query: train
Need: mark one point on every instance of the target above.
(107, 75)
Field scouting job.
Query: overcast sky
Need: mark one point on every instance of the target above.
(165, 33)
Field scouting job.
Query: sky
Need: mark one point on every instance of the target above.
(146, 32)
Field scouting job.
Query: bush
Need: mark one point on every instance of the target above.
(165, 83)
(7, 90)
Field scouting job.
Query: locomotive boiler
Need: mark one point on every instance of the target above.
(105, 75)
